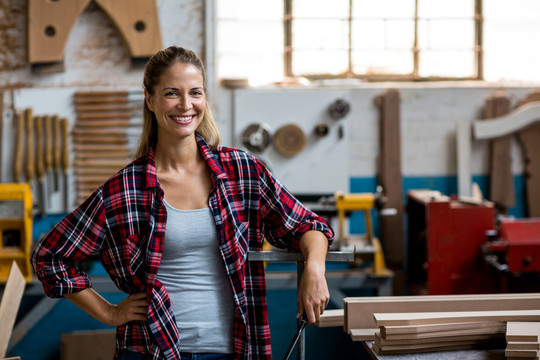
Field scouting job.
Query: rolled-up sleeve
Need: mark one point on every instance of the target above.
(76, 237)
(285, 218)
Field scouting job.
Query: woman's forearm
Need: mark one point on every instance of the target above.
(313, 294)
(132, 308)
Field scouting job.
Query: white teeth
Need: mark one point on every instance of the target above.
(181, 118)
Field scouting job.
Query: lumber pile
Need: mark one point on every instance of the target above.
(413, 324)
(358, 311)
(522, 340)
(489, 331)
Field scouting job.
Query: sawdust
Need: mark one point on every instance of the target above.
(13, 21)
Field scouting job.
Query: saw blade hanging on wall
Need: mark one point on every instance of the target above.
(256, 137)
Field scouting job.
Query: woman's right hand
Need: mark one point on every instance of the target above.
(132, 308)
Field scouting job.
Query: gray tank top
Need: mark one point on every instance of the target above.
(193, 272)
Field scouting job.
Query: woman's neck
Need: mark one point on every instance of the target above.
(183, 154)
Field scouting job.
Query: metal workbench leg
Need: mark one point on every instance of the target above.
(301, 349)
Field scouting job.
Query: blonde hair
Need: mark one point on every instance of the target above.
(155, 67)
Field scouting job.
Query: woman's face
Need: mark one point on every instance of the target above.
(178, 102)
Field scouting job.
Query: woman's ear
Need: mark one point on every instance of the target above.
(148, 100)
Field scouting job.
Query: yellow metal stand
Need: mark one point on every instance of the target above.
(364, 202)
(15, 229)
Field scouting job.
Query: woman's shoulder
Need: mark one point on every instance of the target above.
(132, 172)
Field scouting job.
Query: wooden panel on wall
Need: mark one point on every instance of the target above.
(390, 177)
(529, 138)
(501, 179)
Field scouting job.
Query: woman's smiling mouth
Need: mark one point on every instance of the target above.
(183, 119)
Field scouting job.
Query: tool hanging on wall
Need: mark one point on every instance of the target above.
(57, 152)
(30, 150)
(256, 137)
(65, 161)
(19, 143)
(289, 140)
(48, 153)
(50, 22)
(339, 109)
(40, 167)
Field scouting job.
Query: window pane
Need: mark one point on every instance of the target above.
(382, 62)
(249, 9)
(320, 62)
(383, 9)
(383, 34)
(509, 33)
(446, 34)
(429, 9)
(446, 63)
(249, 37)
(337, 9)
(320, 35)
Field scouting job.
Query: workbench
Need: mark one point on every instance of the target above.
(475, 354)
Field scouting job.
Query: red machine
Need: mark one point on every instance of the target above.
(517, 247)
(445, 237)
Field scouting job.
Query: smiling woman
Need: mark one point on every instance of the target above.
(173, 230)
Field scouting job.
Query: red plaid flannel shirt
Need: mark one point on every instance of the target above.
(124, 223)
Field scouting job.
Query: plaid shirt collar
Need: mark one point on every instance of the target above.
(211, 158)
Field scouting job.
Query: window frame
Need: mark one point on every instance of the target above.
(288, 52)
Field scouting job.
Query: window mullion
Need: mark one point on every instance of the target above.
(287, 34)
(416, 51)
(350, 72)
(478, 39)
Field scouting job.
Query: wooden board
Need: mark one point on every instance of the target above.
(522, 353)
(500, 162)
(390, 177)
(331, 318)
(528, 138)
(9, 306)
(525, 345)
(50, 22)
(420, 329)
(380, 341)
(453, 317)
(435, 347)
(55, 18)
(358, 311)
(137, 21)
(523, 331)
(459, 330)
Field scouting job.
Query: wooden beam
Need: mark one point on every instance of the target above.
(420, 318)
(528, 138)
(358, 311)
(390, 177)
(9, 307)
(500, 162)
(510, 123)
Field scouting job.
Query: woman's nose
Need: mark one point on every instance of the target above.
(184, 103)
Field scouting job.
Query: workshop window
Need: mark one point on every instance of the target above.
(268, 41)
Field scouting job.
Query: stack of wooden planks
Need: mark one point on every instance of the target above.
(523, 340)
(410, 324)
(358, 311)
(460, 339)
